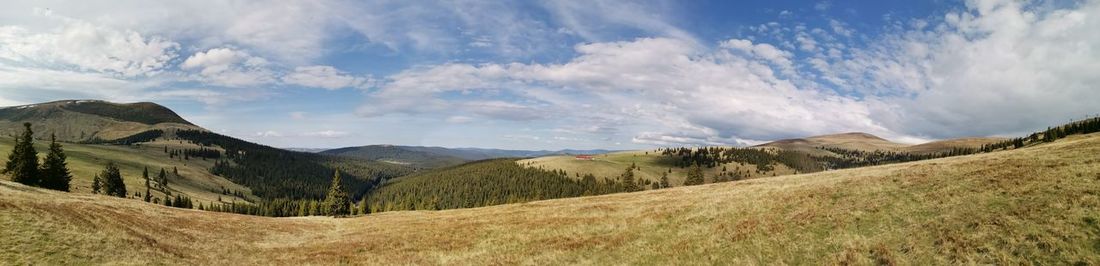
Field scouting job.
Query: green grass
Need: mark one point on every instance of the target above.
(1036, 205)
(87, 160)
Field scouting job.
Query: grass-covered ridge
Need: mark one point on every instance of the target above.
(1035, 205)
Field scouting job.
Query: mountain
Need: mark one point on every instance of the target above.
(212, 167)
(398, 155)
(1034, 205)
(851, 141)
(433, 157)
(90, 120)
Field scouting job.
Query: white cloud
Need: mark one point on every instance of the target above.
(87, 47)
(667, 86)
(999, 67)
(269, 134)
(326, 134)
(592, 20)
(325, 77)
(229, 67)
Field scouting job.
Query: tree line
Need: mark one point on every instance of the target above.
(764, 159)
(483, 183)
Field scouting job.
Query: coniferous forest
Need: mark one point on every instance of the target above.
(482, 183)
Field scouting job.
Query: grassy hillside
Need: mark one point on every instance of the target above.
(652, 164)
(87, 160)
(81, 121)
(1036, 205)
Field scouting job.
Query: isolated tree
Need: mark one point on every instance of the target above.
(23, 161)
(145, 175)
(628, 180)
(55, 171)
(336, 202)
(664, 180)
(162, 179)
(97, 184)
(112, 181)
(694, 175)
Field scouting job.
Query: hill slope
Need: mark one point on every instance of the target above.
(1036, 205)
(850, 141)
(433, 157)
(86, 120)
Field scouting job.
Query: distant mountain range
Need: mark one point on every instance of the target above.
(430, 157)
(867, 142)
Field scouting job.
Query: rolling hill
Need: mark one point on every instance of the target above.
(1035, 205)
(867, 142)
(140, 135)
(90, 120)
(654, 163)
(433, 157)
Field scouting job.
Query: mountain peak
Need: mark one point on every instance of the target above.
(84, 120)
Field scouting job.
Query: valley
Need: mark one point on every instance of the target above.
(942, 211)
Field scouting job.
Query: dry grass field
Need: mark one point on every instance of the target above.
(611, 165)
(1037, 205)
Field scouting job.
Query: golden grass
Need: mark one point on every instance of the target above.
(1038, 205)
(611, 165)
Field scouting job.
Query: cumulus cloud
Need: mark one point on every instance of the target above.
(229, 67)
(84, 46)
(998, 67)
(664, 84)
(325, 77)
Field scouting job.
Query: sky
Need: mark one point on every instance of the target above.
(565, 74)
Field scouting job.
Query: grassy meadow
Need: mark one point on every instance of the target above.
(652, 164)
(87, 160)
(1037, 205)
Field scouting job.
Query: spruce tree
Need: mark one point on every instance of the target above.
(112, 181)
(23, 161)
(628, 180)
(145, 175)
(97, 184)
(664, 180)
(162, 179)
(55, 171)
(336, 202)
(694, 176)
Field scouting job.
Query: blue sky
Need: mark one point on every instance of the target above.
(565, 74)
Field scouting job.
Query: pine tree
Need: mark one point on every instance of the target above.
(96, 184)
(363, 206)
(664, 180)
(112, 181)
(23, 160)
(145, 175)
(162, 178)
(628, 180)
(694, 176)
(336, 202)
(55, 171)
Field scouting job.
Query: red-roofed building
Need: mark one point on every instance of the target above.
(584, 157)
